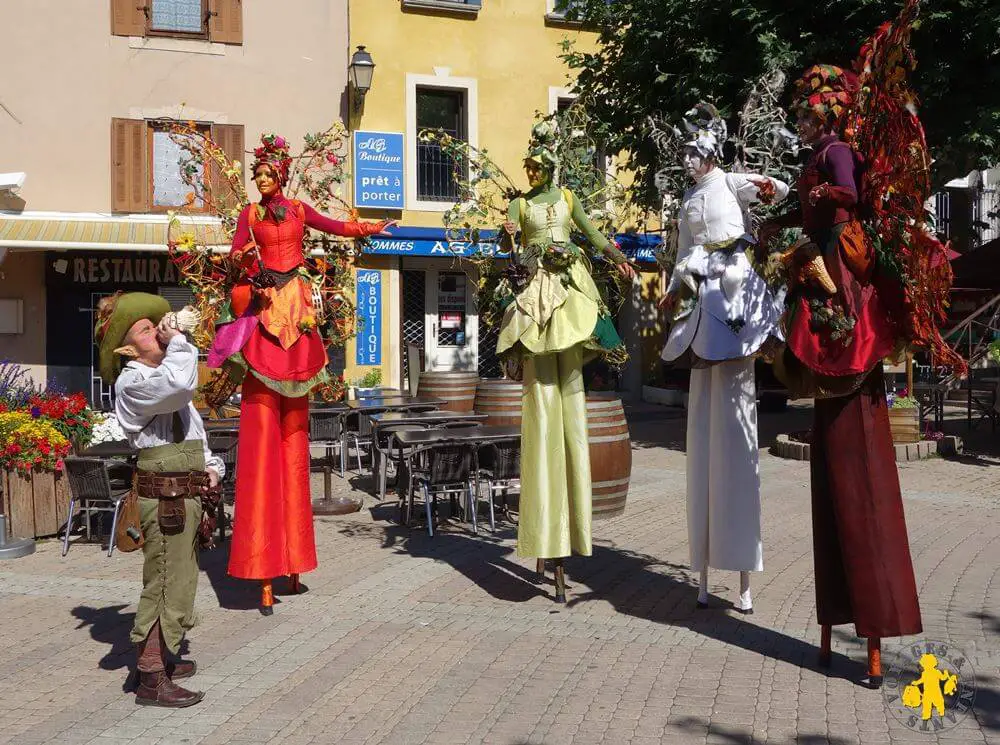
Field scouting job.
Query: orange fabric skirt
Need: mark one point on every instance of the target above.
(273, 528)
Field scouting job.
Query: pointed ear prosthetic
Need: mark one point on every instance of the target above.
(127, 351)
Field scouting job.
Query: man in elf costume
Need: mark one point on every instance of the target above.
(155, 373)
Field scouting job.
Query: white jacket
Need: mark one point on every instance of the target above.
(734, 311)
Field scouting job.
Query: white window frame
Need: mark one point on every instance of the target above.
(557, 94)
(551, 14)
(442, 79)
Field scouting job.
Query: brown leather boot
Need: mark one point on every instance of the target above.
(156, 689)
(181, 669)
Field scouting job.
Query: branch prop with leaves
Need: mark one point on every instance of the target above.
(318, 174)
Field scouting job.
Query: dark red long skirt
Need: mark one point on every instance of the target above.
(864, 574)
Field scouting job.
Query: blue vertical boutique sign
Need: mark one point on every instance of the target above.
(369, 341)
(378, 169)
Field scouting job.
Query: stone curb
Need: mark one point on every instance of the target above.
(785, 447)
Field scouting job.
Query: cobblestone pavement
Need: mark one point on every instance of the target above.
(404, 638)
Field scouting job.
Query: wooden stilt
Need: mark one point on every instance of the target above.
(560, 581)
(825, 653)
(266, 598)
(874, 662)
(293, 584)
(540, 567)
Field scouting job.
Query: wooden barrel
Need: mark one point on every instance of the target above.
(905, 424)
(610, 454)
(456, 388)
(500, 400)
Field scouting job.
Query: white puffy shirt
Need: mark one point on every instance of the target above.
(734, 312)
(712, 210)
(147, 397)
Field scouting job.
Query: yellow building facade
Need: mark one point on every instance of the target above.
(482, 69)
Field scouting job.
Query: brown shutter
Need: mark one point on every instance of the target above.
(225, 24)
(230, 138)
(128, 18)
(129, 166)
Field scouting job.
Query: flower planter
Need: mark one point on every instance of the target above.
(35, 505)
(904, 423)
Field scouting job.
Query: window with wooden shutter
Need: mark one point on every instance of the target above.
(129, 171)
(230, 138)
(128, 18)
(225, 21)
(169, 188)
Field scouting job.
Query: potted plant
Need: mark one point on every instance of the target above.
(363, 385)
(904, 417)
(37, 430)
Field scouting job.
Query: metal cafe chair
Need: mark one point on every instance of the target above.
(224, 442)
(449, 470)
(387, 452)
(91, 487)
(326, 431)
(499, 465)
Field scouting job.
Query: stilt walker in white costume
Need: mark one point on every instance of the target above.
(723, 313)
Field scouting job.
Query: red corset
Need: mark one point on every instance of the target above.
(280, 244)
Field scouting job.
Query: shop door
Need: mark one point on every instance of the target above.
(451, 325)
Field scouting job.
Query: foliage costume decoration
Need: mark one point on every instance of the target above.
(724, 313)
(555, 320)
(154, 407)
(873, 279)
(269, 338)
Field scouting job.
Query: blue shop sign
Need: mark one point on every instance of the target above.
(369, 295)
(378, 169)
(410, 241)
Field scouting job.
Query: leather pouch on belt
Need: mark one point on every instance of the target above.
(170, 515)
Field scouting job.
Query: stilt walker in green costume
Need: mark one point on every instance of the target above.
(554, 324)
(155, 372)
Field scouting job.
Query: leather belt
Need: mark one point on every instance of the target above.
(170, 484)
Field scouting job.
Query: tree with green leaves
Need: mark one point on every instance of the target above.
(660, 57)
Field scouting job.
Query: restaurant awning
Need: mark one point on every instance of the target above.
(68, 231)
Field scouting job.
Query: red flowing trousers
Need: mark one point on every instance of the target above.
(273, 529)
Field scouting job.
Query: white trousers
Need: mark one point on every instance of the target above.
(723, 478)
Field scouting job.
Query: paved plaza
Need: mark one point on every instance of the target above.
(408, 639)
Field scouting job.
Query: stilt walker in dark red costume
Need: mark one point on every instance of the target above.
(869, 279)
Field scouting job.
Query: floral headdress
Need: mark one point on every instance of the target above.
(542, 147)
(827, 91)
(273, 151)
(706, 130)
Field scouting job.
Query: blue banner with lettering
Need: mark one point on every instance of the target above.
(411, 241)
(369, 294)
(378, 170)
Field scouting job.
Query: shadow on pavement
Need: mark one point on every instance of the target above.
(643, 586)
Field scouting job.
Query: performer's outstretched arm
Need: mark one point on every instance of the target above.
(316, 221)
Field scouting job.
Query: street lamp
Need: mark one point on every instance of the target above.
(361, 70)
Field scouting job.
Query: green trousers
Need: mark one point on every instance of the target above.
(555, 503)
(170, 562)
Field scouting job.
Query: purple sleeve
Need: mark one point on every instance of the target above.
(839, 162)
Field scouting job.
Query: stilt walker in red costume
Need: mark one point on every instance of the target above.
(275, 342)
(869, 279)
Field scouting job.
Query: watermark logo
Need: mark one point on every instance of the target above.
(930, 686)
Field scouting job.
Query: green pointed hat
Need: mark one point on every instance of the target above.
(115, 316)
